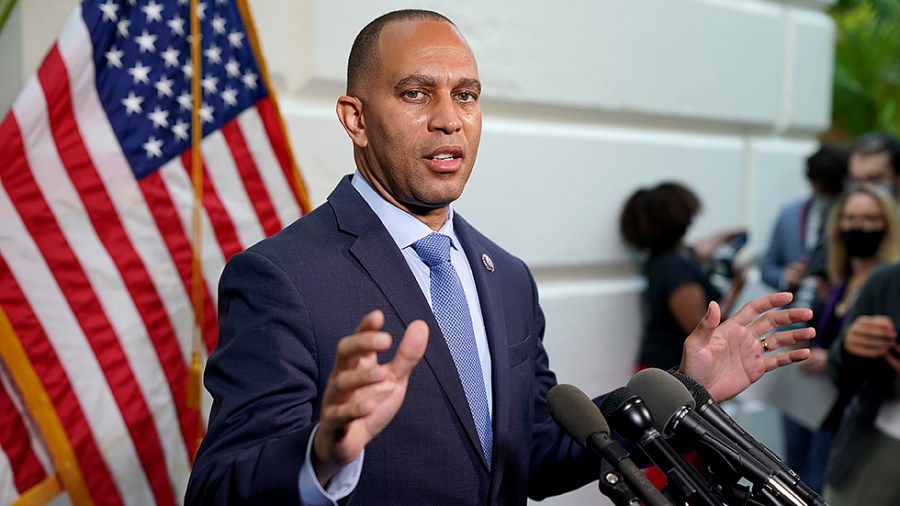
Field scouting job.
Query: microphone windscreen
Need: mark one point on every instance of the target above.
(576, 413)
(698, 391)
(615, 400)
(662, 394)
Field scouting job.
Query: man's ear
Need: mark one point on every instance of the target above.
(350, 113)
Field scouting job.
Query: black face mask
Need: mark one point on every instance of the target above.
(862, 243)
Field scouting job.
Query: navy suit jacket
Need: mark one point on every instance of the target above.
(284, 304)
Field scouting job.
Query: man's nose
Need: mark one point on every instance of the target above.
(445, 115)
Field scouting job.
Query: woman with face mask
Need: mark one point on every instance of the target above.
(862, 232)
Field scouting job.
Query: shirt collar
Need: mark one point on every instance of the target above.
(404, 228)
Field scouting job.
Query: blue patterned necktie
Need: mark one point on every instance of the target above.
(448, 302)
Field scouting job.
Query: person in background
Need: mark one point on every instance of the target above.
(655, 221)
(796, 254)
(862, 233)
(875, 159)
(862, 466)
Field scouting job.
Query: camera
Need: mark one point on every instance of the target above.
(722, 258)
(722, 261)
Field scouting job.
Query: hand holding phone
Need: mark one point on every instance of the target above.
(869, 336)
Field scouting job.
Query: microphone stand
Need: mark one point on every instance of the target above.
(612, 484)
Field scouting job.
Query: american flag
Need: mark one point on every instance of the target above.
(96, 241)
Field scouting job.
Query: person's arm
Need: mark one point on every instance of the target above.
(772, 263)
(870, 336)
(687, 303)
(264, 378)
(705, 247)
(866, 333)
(362, 396)
(734, 290)
(313, 493)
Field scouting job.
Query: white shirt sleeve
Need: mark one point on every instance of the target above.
(340, 485)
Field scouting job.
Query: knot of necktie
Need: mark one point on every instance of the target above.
(433, 249)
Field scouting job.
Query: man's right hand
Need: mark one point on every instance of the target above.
(362, 396)
(870, 336)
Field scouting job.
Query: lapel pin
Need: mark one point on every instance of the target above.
(488, 263)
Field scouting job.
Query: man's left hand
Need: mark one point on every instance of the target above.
(727, 358)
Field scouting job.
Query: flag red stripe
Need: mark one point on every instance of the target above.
(269, 116)
(222, 225)
(16, 443)
(112, 234)
(46, 364)
(77, 289)
(40, 351)
(253, 184)
(163, 210)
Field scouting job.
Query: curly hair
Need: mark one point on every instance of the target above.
(656, 219)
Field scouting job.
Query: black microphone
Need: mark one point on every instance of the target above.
(672, 403)
(633, 421)
(713, 413)
(572, 410)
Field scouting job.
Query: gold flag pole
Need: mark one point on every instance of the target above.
(40, 408)
(297, 182)
(194, 378)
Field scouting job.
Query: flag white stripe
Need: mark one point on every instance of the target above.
(181, 192)
(225, 178)
(8, 492)
(75, 354)
(280, 190)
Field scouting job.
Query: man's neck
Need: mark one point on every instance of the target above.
(433, 218)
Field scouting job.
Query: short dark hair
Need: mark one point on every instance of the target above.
(656, 219)
(364, 60)
(874, 143)
(828, 167)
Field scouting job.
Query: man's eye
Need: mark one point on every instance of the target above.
(465, 96)
(413, 94)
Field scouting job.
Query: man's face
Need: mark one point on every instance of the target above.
(420, 117)
(874, 169)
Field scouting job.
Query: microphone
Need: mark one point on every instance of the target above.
(669, 400)
(572, 410)
(718, 418)
(633, 421)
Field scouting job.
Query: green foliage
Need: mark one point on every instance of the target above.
(867, 67)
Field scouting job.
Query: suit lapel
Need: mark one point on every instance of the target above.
(489, 295)
(374, 249)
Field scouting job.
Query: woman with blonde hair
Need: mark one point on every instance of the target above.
(862, 233)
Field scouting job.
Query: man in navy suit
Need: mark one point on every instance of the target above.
(318, 398)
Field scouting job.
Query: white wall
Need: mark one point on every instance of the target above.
(583, 101)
